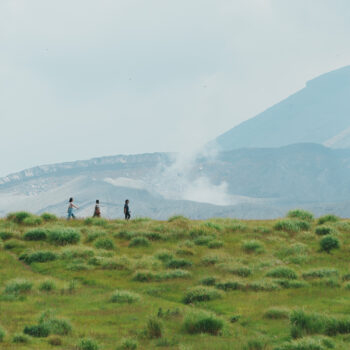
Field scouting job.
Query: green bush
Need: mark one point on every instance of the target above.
(20, 338)
(5, 235)
(252, 247)
(276, 313)
(2, 334)
(164, 255)
(177, 218)
(238, 227)
(291, 284)
(40, 256)
(139, 242)
(325, 230)
(327, 218)
(300, 214)
(104, 243)
(18, 286)
(329, 243)
(197, 322)
(54, 325)
(144, 276)
(124, 296)
(47, 286)
(78, 252)
(203, 240)
(48, 217)
(304, 344)
(261, 286)
(287, 225)
(255, 344)
(87, 344)
(154, 328)
(230, 285)
(91, 236)
(13, 244)
(128, 344)
(215, 244)
(199, 294)
(18, 217)
(178, 263)
(63, 236)
(33, 220)
(242, 271)
(320, 273)
(282, 272)
(37, 234)
(213, 225)
(37, 331)
(172, 274)
(312, 323)
(208, 281)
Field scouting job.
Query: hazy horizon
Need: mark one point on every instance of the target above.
(86, 79)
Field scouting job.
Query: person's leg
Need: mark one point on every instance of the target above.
(73, 216)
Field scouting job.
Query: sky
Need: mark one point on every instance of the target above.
(89, 78)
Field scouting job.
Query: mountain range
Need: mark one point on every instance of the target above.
(295, 154)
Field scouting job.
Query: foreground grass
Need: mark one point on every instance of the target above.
(179, 284)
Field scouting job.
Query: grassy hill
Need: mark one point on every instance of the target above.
(177, 284)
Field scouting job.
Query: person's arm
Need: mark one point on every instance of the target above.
(75, 206)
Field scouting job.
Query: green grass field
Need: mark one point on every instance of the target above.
(180, 284)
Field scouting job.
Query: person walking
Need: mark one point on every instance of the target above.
(70, 209)
(127, 210)
(97, 212)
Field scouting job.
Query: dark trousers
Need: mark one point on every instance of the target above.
(127, 216)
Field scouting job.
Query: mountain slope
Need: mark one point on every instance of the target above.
(319, 113)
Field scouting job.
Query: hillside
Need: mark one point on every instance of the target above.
(319, 113)
(177, 284)
(245, 183)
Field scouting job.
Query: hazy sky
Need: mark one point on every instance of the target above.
(88, 78)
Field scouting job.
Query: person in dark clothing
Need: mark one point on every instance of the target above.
(97, 211)
(126, 210)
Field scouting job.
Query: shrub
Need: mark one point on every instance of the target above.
(177, 273)
(32, 220)
(327, 218)
(230, 285)
(202, 322)
(261, 286)
(215, 244)
(87, 344)
(238, 227)
(47, 286)
(211, 259)
(48, 217)
(252, 247)
(164, 255)
(198, 294)
(54, 340)
(300, 214)
(143, 276)
(346, 277)
(203, 240)
(13, 244)
(63, 236)
(139, 242)
(37, 331)
(54, 325)
(128, 344)
(73, 253)
(37, 234)
(235, 318)
(18, 286)
(19, 338)
(154, 328)
(288, 225)
(152, 236)
(328, 243)
(176, 218)
(208, 281)
(104, 243)
(320, 273)
(2, 334)
(304, 324)
(40, 256)
(178, 263)
(343, 226)
(282, 272)
(276, 313)
(213, 226)
(91, 236)
(19, 216)
(325, 230)
(5, 235)
(242, 271)
(124, 296)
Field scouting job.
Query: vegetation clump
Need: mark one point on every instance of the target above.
(300, 214)
(282, 272)
(87, 344)
(124, 296)
(327, 218)
(40, 256)
(105, 243)
(329, 243)
(63, 236)
(18, 286)
(18, 217)
(202, 322)
(199, 294)
(325, 230)
(139, 242)
(253, 247)
(37, 234)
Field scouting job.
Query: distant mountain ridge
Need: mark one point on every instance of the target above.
(319, 113)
